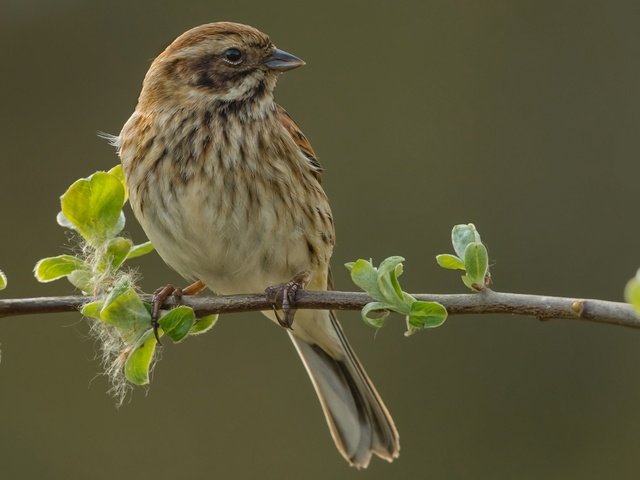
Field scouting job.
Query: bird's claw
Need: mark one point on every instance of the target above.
(285, 294)
(159, 297)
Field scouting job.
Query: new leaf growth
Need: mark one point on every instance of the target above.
(471, 256)
(382, 285)
(92, 207)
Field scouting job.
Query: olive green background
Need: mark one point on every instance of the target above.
(519, 116)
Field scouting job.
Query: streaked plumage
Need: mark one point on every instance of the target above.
(227, 188)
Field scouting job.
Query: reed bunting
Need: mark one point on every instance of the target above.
(227, 188)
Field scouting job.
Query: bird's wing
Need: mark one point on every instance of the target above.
(305, 147)
(299, 138)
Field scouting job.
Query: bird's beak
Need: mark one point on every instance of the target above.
(282, 61)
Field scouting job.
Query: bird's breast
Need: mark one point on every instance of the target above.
(229, 203)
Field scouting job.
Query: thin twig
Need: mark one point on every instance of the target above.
(487, 302)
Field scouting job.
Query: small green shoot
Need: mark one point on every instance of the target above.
(471, 256)
(92, 207)
(382, 285)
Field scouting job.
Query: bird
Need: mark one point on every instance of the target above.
(228, 189)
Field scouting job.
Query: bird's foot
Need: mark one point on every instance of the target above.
(163, 293)
(284, 294)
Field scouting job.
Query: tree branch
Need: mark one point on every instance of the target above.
(486, 302)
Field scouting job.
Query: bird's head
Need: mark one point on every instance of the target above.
(224, 61)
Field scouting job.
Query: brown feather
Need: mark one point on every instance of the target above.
(299, 138)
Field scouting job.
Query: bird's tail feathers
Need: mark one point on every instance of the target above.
(359, 421)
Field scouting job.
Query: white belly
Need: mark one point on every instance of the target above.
(231, 248)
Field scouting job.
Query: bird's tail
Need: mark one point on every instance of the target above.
(359, 422)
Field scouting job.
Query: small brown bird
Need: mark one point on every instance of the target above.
(227, 188)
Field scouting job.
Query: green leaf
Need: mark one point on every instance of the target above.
(632, 292)
(381, 283)
(462, 235)
(53, 268)
(375, 313)
(365, 276)
(388, 281)
(408, 299)
(469, 283)
(92, 309)
(177, 322)
(64, 221)
(391, 264)
(94, 206)
(119, 174)
(450, 262)
(118, 250)
(3, 280)
(476, 263)
(139, 250)
(127, 313)
(136, 368)
(82, 279)
(390, 297)
(118, 289)
(425, 315)
(204, 324)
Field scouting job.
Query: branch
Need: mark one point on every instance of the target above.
(486, 302)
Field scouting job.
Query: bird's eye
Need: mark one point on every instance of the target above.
(233, 55)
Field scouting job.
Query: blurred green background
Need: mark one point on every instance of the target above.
(522, 117)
